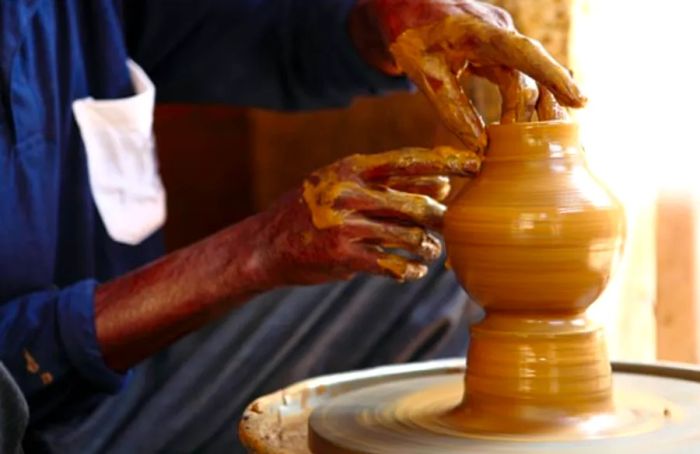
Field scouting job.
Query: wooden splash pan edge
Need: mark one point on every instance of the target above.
(277, 422)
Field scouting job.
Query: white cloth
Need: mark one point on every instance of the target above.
(122, 163)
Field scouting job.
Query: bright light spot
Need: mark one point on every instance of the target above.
(637, 62)
(596, 424)
(590, 188)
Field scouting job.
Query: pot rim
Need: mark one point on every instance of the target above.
(532, 140)
(530, 125)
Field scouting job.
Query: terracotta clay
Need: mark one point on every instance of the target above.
(533, 240)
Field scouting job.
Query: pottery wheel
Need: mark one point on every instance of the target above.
(416, 415)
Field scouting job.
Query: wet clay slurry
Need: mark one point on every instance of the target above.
(533, 240)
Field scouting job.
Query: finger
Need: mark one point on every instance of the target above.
(518, 92)
(373, 260)
(436, 187)
(435, 78)
(548, 108)
(414, 162)
(414, 240)
(390, 204)
(470, 38)
(527, 55)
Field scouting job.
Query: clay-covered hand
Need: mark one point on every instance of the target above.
(351, 216)
(364, 213)
(436, 42)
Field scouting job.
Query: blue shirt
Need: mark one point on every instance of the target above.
(286, 54)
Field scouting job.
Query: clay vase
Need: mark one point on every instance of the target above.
(533, 239)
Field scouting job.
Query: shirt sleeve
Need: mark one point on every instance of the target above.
(283, 54)
(47, 340)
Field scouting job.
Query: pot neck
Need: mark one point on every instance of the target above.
(532, 141)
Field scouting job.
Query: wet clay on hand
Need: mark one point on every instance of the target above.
(548, 108)
(436, 43)
(364, 205)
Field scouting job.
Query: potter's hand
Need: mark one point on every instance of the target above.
(346, 218)
(437, 41)
(351, 217)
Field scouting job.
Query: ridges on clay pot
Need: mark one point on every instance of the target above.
(534, 240)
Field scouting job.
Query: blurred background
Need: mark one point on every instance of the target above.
(638, 63)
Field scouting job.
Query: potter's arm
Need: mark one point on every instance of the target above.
(138, 314)
(347, 217)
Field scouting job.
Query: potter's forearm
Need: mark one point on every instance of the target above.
(146, 310)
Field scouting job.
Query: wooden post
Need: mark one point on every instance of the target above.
(678, 270)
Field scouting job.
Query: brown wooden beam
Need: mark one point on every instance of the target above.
(678, 295)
